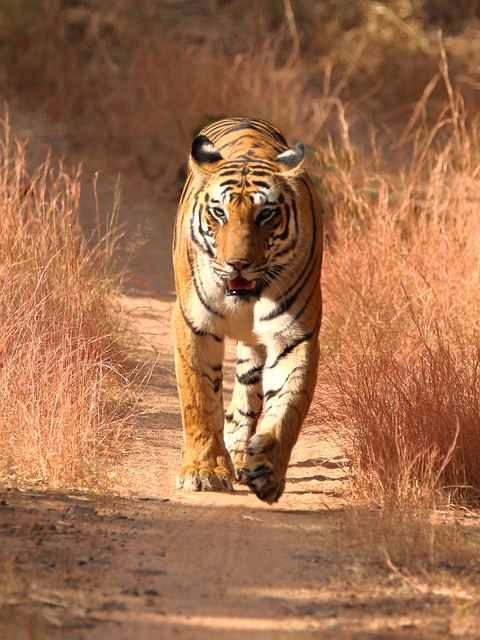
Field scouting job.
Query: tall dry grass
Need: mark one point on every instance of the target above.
(401, 337)
(59, 421)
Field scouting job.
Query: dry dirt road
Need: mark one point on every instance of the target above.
(146, 561)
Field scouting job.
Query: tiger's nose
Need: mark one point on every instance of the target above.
(238, 263)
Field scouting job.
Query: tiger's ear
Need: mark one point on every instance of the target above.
(204, 155)
(291, 161)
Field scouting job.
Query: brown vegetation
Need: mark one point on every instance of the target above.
(401, 334)
(138, 80)
(59, 335)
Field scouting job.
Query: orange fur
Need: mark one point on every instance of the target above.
(247, 258)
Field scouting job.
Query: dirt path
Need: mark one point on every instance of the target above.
(158, 563)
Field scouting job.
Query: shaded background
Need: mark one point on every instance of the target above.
(136, 80)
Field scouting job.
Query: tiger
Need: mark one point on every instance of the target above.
(247, 257)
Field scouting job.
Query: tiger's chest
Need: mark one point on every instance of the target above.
(249, 321)
(239, 321)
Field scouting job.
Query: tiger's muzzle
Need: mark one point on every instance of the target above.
(240, 286)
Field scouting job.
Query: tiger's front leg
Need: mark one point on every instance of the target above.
(206, 464)
(289, 379)
(246, 405)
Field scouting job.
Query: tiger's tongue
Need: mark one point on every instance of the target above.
(241, 284)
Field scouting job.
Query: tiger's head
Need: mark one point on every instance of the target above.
(245, 217)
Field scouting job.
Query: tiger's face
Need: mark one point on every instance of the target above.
(245, 218)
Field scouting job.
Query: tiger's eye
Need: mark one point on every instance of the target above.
(266, 215)
(218, 214)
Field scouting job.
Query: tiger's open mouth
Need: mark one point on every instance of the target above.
(241, 287)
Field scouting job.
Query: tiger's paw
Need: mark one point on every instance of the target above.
(238, 461)
(260, 471)
(200, 478)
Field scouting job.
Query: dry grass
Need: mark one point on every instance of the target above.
(58, 342)
(401, 333)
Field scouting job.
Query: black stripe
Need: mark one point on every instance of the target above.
(186, 188)
(289, 349)
(303, 276)
(200, 295)
(287, 249)
(193, 209)
(197, 331)
(307, 302)
(275, 392)
(215, 382)
(286, 304)
(247, 141)
(231, 171)
(271, 394)
(228, 183)
(286, 232)
(230, 125)
(252, 376)
(261, 184)
(259, 172)
(249, 414)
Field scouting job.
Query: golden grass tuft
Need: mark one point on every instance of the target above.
(402, 324)
(59, 337)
